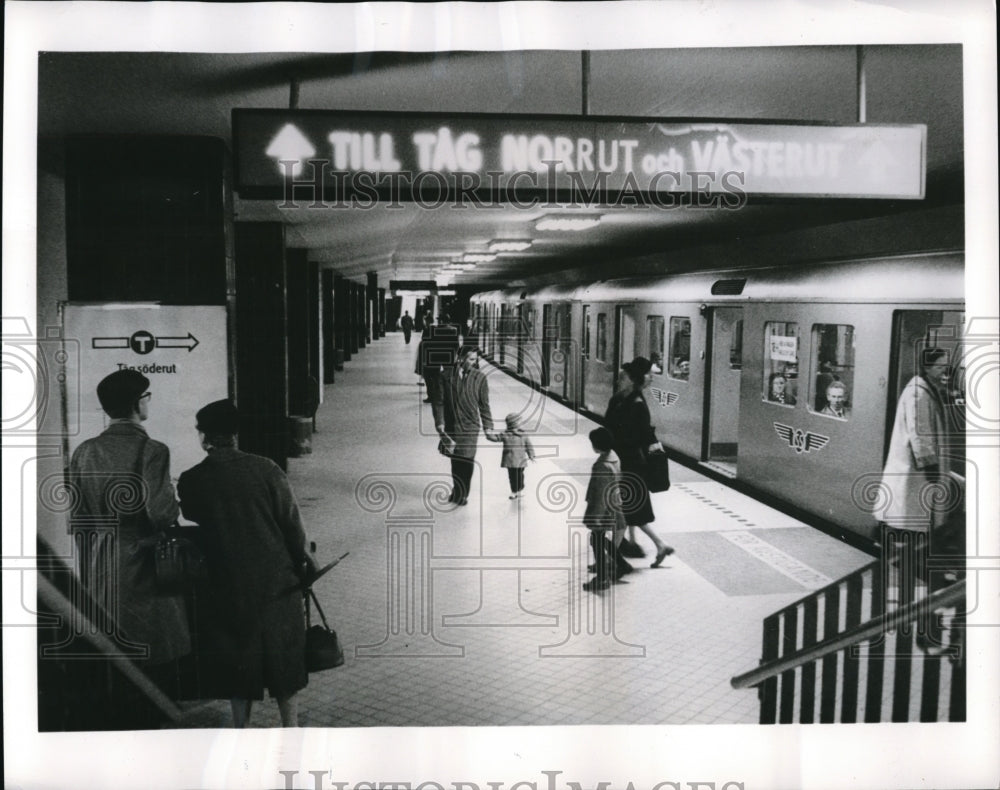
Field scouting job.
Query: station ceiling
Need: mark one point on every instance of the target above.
(194, 94)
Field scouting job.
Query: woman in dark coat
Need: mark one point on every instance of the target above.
(628, 420)
(255, 545)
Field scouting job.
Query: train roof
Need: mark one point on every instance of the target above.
(931, 276)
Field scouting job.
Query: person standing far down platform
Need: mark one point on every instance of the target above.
(123, 477)
(257, 563)
(406, 324)
(461, 405)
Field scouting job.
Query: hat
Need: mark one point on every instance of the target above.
(513, 420)
(638, 367)
(219, 417)
(118, 391)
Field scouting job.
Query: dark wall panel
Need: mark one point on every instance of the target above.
(261, 345)
(146, 219)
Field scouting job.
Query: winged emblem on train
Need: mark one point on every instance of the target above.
(799, 440)
(662, 397)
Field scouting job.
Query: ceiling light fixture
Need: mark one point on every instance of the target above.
(478, 257)
(509, 245)
(556, 222)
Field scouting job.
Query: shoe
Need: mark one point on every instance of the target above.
(427, 400)
(629, 548)
(596, 584)
(661, 555)
(512, 496)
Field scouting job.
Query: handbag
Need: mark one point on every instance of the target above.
(177, 561)
(657, 472)
(323, 648)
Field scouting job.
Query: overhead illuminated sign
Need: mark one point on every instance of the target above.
(328, 157)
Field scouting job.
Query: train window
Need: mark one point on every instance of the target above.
(602, 338)
(654, 338)
(680, 348)
(833, 369)
(736, 347)
(586, 331)
(781, 362)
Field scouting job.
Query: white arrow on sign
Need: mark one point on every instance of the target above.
(290, 144)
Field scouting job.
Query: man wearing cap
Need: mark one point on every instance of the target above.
(255, 545)
(122, 477)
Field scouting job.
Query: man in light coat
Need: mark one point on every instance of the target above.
(915, 459)
(920, 495)
(461, 405)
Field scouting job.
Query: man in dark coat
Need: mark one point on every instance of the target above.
(124, 498)
(255, 546)
(406, 324)
(461, 404)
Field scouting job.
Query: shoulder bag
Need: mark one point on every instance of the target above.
(657, 471)
(323, 648)
(177, 561)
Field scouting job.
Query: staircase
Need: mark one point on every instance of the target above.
(877, 645)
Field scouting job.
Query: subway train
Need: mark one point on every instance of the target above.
(783, 380)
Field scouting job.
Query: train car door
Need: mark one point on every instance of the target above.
(722, 399)
(584, 356)
(522, 331)
(502, 328)
(914, 331)
(548, 335)
(625, 342)
(565, 323)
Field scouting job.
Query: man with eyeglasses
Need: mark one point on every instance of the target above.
(121, 478)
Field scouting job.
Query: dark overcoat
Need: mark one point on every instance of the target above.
(122, 478)
(462, 404)
(255, 546)
(628, 420)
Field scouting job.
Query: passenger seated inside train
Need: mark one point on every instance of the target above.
(778, 390)
(656, 362)
(836, 401)
(824, 379)
(680, 368)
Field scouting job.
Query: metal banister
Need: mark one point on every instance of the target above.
(59, 605)
(877, 625)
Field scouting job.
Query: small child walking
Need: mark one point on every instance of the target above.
(517, 451)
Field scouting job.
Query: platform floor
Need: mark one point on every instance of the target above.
(474, 616)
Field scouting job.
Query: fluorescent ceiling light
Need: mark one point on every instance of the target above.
(478, 257)
(512, 245)
(554, 222)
